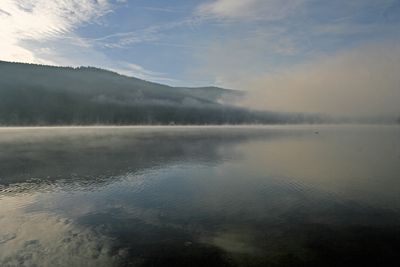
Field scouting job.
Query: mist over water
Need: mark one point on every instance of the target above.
(200, 196)
(361, 82)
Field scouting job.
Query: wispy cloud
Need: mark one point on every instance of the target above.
(41, 20)
(44, 32)
(162, 9)
(263, 35)
(213, 40)
(138, 71)
(148, 34)
(250, 9)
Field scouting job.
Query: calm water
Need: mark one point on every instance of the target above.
(200, 196)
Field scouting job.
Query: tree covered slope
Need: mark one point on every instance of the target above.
(46, 95)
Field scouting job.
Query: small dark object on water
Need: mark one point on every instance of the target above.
(316, 132)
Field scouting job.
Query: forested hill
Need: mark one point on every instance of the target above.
(46, 95)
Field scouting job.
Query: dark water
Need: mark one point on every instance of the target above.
(200, 196)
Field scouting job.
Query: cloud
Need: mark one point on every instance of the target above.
(250, 9)
(360, 82)
(336, 57)
(44, 32)
(148, 34)
(162, 9)
(41, 20)
(138, 71)
(231, 58)
(75, 52)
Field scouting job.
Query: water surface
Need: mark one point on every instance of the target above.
(200, 196)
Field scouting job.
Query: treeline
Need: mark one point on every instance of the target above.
(72, 113)
(45, 95)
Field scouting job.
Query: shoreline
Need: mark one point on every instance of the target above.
(198, 126)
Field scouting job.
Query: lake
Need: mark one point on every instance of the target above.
(200, 196)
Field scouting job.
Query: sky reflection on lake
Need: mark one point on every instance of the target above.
(216, 196)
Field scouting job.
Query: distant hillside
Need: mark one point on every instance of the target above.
(46, 95)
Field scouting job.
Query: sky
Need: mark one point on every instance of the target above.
(322, 56)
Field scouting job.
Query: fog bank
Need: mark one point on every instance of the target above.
(361, 82)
